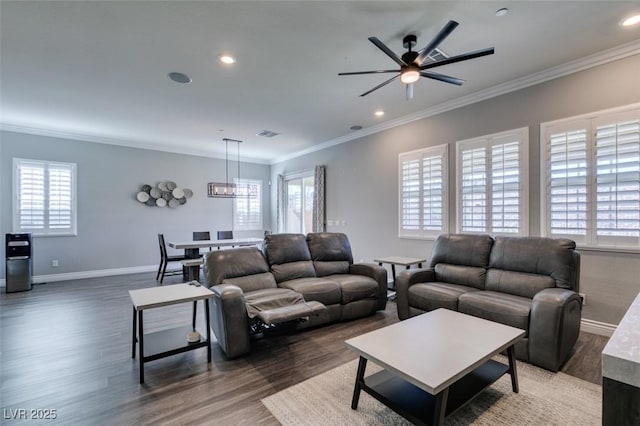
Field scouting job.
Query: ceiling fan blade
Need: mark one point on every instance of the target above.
(380, 45)
(367, 72)
(381, 85)
(439, 38)
(459, 58)
(442, 77)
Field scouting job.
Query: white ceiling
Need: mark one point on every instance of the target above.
(97, 70)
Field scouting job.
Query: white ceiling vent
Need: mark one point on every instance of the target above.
(267, 133)
(436, 55)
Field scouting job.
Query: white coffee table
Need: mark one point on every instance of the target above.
(433, 363)
(171, 341)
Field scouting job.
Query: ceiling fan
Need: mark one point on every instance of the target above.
(413, 64)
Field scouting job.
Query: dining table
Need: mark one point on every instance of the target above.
(192, 248)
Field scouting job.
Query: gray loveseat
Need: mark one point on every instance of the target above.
(295, 279)
(530, 283)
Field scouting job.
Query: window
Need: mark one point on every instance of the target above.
(591, 178)
(492, 184)
(248, 205)
(298, 209)
(44, 197)
(423, 192)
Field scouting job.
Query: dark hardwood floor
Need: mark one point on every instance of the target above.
(66, 346)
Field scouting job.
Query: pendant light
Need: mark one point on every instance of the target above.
(225, 189)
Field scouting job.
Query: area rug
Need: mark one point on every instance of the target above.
(545, 398)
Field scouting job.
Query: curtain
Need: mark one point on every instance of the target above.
(280, 205)
(319, 199)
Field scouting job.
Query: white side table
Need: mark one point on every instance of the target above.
(160, 344)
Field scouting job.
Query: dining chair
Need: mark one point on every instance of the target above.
(166, 259)
(202, 235)
(225, 235)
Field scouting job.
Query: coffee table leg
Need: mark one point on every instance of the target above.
(511, 353)
(208, 322)
(362, 364)
(441, 407)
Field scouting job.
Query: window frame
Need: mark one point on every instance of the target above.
(250, 226)
(46, 231)
(488, 141)
(441, 151)
(589, 122)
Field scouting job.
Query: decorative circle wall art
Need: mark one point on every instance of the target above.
(163, 194)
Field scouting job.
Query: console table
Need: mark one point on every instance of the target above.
(621, 371)
(172, 341)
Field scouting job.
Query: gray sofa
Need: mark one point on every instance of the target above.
(530, 283)
(295, 279)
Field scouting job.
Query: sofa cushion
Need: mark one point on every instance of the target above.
(499, 307)
(463, 275)
(330, 268)
(322, 290)
(268, 299)
(517, 283)
(355, 287)
(329, 246)
(285, 248)
(462, 249)
(430, 296)
(293, 270)
(253, 282)
(544, 256)
(223, 264)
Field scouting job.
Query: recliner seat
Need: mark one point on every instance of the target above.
(531, 283)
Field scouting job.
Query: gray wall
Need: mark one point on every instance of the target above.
(362, 175)
(114, 229)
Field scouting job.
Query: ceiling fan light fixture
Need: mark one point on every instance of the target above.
(410, 76)
(630, 20)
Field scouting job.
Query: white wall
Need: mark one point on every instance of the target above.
(362, 175)
(114, 229)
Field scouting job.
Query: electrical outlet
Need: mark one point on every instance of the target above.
(584, 298)
(54, 263)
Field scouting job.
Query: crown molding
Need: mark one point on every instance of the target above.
(129, 143)
(587, 62)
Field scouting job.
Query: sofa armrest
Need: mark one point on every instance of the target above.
(376, 272)
(406, 279)
(554, 325)
(229, 319)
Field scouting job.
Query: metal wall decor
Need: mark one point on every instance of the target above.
(164, 194)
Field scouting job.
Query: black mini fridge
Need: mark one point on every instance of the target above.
(19, 264)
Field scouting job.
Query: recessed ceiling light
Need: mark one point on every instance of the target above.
(227, 59)
(178, 77)
(631, 20)
(379, 113)
(501, 12)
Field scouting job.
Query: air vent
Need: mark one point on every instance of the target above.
(267, 133)
(436, 55)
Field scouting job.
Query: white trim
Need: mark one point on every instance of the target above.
(41, 279)
(130, 143)
(591, 61)
(597, 327)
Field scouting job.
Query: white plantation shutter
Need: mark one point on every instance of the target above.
(474, 190)
(44, 197)
(566, 187)
(591, 172)
(492, 189)
(617, 187)
(248, 205)
(423, 192)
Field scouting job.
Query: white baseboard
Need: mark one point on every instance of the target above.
(597, 327)
(39, 279)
